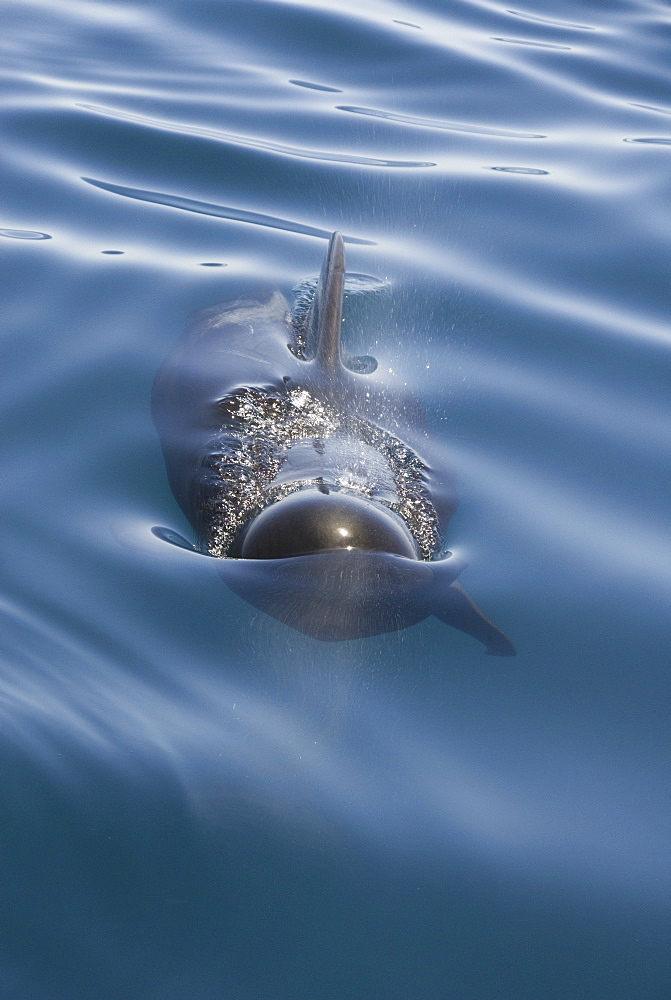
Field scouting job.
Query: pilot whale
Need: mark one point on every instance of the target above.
(307, 475)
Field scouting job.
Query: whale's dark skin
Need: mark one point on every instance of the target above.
(310, 476)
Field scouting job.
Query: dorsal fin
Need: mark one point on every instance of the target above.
(325, 320)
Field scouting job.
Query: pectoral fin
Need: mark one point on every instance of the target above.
(457, 609)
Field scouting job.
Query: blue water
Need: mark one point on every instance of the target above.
(198, 801)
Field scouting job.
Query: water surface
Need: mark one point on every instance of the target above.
(197, 801)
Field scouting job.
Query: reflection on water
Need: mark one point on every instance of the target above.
(449, 126)
(24, 234)
(199, 801)
(245, 140)
(218, 211)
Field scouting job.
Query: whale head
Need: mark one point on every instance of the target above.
(317, 519)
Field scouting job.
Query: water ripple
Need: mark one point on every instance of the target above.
(544, 295)
(244, 140)
(651, 107)
(24, 234)
(548, 20)
(219, 211)
(652, 141)
(527, 41)
(519, 170)
(587, 527)
(436, 123)
(315, 86)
